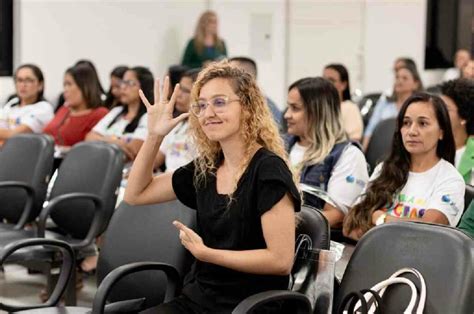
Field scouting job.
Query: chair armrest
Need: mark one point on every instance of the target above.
(300, 301)
(94, 227)
(30, 196)
(172, 275)
(67, 267)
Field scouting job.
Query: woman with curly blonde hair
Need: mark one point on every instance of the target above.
(240, 185)
(206, 45)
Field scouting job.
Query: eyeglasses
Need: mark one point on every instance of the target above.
(128, 83)
(219, 105)
(24, 80)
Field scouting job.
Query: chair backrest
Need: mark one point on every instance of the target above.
(145, 233)
(26, 158)
(90, 167)
(312, 223)
(380, 142)
(367, 106)
(443, 255)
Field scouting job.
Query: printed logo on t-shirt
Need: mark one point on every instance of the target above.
(179, 149)
(407, 206)
(352, 179)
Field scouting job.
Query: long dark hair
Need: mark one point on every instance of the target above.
(86, 79)
(344, 77)
(39, 76)
(94, 69)
(145, 77)
(394, 173)
(117, 72)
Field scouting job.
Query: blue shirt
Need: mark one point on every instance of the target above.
(384, 109)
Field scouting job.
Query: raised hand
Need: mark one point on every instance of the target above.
(160, 114)
(191, 240)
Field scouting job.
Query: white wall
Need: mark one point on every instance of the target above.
(243, 25)
(56, 33)
(393, 29)
(288, 38)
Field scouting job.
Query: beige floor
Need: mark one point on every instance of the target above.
(19, 287)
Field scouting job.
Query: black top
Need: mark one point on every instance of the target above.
(233, 227)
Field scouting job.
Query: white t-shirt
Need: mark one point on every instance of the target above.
(117, 129)
(177, 147)
(441, 188)
(34, 116)
(457, 157)
(348, 177)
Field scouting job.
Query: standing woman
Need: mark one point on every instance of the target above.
(112, 98)
(418, 181)
(126, 125)
(351, 117)
(82, 109)
(206, 45)
(27, 112)
(319, 149)
(239, 184)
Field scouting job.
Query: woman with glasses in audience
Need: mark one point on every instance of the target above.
(417, 182)
(351, 117)
(112, 99)
(239, 184)
(458, 95)
(206, 45)
(407, 81)
(319, 148)
(81, 111)
(27, 111)
(126, 125)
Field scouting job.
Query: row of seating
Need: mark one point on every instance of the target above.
(80, 205)
(82, 202)
(141, 240)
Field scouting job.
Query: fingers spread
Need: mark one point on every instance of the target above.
(143, 98)
(166, 89)
(157, 91)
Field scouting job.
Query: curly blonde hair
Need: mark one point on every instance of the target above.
(257, 126)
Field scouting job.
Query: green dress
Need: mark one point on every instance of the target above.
(193, 59)
(467, 221)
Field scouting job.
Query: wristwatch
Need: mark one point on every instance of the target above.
(381, 219)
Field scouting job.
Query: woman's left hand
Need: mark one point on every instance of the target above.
(191, 240)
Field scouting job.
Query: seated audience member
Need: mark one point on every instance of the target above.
(459, 98)
(81, 111)
(461, 58)
(407, 81)
(351, 117)
(88, 63)
(177, 148)
(250, 66)
(240, 185)
(27, 111)
(417, 182)
(468, 70)
(126, 125)
(319, 149)
(175, 73)
(112, 98)
(400, 62)
(467, 221)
